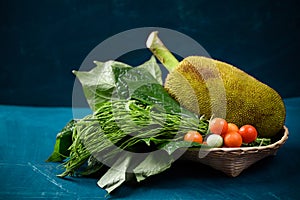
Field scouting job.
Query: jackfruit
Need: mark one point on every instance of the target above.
(216, 89)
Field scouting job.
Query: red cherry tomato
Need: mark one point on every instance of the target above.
(248, 133)
(193, 136)
(218, 126)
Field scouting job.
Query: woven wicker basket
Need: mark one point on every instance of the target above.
(232, 161)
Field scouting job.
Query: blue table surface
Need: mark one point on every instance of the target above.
(27, 136)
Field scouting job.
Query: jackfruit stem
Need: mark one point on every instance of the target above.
(161, 52)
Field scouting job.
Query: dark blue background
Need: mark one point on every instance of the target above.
(42, 41)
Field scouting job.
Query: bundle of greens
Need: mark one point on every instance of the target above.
(134, 130)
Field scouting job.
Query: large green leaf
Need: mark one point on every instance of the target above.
(63, 142)
(142, 83)
(153, 68)
(99, 83)
(141, 166)
(155, 163)
(116, 175)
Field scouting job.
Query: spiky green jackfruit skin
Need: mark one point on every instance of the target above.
(214, 88)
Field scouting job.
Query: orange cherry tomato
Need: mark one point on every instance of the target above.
(218, 126)
(193, 136)
(248, 133)
(233, 139)
(232, 127)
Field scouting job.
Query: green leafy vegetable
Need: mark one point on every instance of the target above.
(99, 83)
(145, 130)
(154, 163)
(93, 167)
(116, 175)
(135, 126)
(62, 144)
(153, 68)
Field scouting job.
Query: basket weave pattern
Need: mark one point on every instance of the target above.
(232, 161)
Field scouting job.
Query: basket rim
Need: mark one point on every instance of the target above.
(232, 149)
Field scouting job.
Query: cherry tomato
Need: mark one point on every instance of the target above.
(248, 133)
(218, 126)
(233, 139)
(232, 127)
(193, 136)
